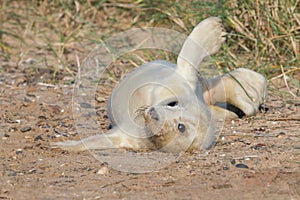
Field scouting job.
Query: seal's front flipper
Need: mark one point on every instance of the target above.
(114, 139)
(205, 40)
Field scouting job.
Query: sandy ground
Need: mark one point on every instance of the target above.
(254, 158)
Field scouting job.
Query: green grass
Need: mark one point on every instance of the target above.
(262, 35)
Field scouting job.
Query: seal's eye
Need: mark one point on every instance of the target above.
(173, 103)
(181, 127)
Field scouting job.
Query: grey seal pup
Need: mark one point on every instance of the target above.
(170, 107)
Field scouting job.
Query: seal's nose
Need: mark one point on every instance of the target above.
(153, 114)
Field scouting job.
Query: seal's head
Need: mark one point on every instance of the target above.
(177, 125)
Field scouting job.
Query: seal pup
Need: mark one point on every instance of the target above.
(173, 124)
(168, 112)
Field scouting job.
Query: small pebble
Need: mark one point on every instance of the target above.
(60, 132)
(6, 135)
(25, 129)
(13, 129)
(103, 171)
(11, 173)
(85, 105)
(258, 146)
(132, 151)
(42, 117)
(232, 162)
(243, 166)
(19, 151)
(281, 134)
(28, 137)
(39, 137)
(31, 171)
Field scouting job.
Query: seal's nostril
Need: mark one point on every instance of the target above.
(153, 114)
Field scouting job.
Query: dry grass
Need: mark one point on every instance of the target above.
(263, 35)
(268, 32)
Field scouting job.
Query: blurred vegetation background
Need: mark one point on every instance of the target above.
(55, 34)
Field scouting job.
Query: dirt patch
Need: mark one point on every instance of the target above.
(255, 157)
